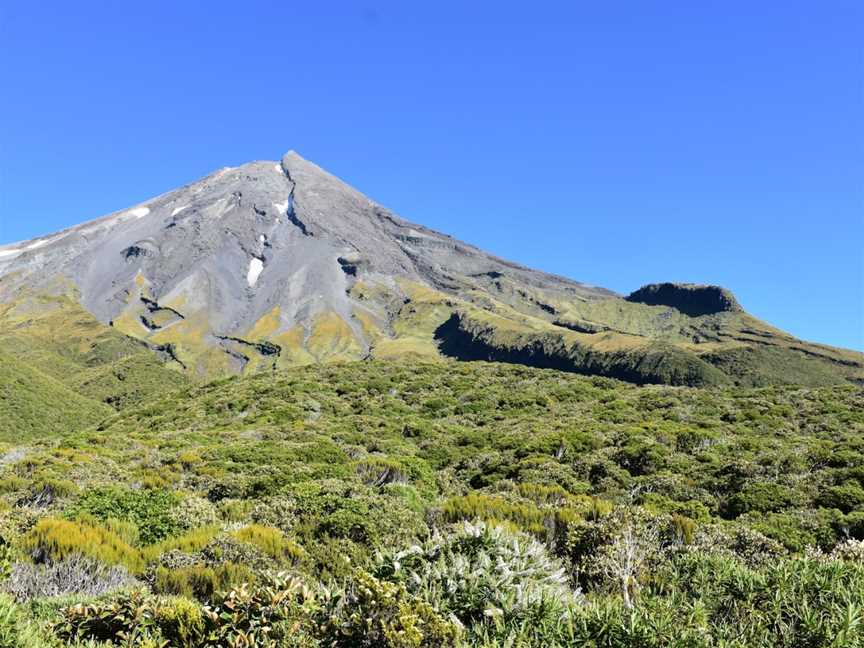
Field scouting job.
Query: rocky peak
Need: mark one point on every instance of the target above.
(274, 264)
(266, 250)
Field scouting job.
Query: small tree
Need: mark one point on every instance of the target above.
(616, 551)
(627, 557)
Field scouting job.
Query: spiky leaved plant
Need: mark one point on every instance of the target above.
(484, 573)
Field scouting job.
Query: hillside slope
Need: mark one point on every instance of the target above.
(63, 369)
(443, 430)
(277, 264)
(399, 492)
(34, 405)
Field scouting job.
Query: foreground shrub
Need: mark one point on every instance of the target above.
(180, 621)
(200, 581)
(54, 539)
(481, 572)
(275, 614)
(800, 601)
(15, 630)
(149, 510)
(373, 613)
(618, 551)
(271, 541)
(115, 618)
(75, 574)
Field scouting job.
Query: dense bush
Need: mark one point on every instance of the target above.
(149, 510)
(16, 631)
(200, 581)
(277, 613)
(763, 497)
(438, 504)
(847, 497)
(371, 613)
(54, 539)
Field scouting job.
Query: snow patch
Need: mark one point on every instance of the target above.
(139, 212)
(281, 207)
(37, 244)
(5, 253)
(278, 168)
(179, 209)
(256, 266)
(262, 238)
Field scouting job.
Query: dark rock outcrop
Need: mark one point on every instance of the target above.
(691, 299)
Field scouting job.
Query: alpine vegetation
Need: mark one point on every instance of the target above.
(263, 411)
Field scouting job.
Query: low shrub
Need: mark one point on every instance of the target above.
(180, 621)
(751, 547)
(193, 512)
(532, 518)
(15, 630)
(380, 471)
(192, 541)
(56, 539)
(271, 541)
(225, 548)
(200, 581)
(75, 574)
(149, 510)
(372, 612)
(277, 511)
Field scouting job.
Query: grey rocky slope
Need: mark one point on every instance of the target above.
(279, 263)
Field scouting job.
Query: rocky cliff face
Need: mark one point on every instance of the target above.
(272, 264)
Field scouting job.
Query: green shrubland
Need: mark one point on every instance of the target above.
(442, 504)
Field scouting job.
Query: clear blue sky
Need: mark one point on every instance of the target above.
(617, 143)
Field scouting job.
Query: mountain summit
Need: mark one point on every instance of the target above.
(279, 263)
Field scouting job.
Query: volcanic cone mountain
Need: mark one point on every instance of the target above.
(276, 264)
